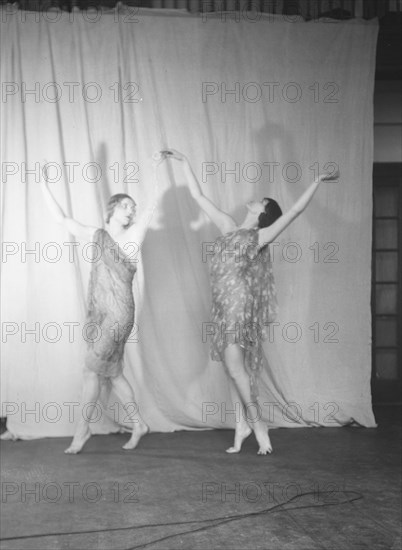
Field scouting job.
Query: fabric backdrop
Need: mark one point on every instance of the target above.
(258, 106)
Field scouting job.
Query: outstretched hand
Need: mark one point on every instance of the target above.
(160, 156)
(329, 177)
(172, 153)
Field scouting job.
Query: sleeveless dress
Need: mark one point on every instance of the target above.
(243, 298)
(110, 306)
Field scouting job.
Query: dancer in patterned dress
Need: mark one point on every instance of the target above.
(243, 293)
(110, 306)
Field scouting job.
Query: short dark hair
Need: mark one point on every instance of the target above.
(113, 202)
(272, 213)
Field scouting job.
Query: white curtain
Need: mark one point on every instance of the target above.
(258, 107)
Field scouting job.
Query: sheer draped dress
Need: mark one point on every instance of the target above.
(243, 298)
(110, 306)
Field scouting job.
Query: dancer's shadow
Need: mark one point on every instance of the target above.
(105, 190)
(173, 254)
(312, 281)
(176, 303)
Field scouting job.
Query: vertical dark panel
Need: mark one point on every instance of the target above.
(387, 282)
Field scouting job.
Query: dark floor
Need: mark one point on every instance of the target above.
(329, 488)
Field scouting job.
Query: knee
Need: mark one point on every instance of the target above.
(90, 377)
(119, 379)
(234, 362)
(235, 369)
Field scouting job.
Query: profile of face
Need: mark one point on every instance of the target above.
(257, 207)
(124, 212)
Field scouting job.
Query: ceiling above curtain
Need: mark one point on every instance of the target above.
(307, 9)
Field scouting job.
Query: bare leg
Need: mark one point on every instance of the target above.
(234, 360)
(125, 393)
(242, 429)
(90, 395)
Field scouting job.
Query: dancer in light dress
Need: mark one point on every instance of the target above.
(243, 292)
(110, 305)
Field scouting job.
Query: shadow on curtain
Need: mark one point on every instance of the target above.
(259, 109)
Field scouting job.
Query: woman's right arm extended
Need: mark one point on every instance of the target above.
(224, 221)
(72, 226)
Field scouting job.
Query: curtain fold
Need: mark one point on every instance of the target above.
(259, 108)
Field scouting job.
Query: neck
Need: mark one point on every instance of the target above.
(249, 222)
(115, 229)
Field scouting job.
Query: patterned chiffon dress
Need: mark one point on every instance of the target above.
(243, 298)
(110, 307)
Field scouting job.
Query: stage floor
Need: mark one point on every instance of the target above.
(322, 488)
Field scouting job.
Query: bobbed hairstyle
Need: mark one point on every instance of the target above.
(113, 202)
(272, 213)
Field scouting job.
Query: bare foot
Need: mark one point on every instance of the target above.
(79, 440)
(8, 436)
(240, 436)
(264, 442)
(138, 432)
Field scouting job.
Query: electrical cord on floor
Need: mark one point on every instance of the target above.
(214, 522)
(228, 519)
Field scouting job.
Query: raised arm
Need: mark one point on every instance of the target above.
(268, 234)
(72, 226)
(136, 233)
(224, 221)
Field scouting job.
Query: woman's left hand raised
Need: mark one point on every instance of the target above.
(329, 177)
(160, 156)
(173, 153)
